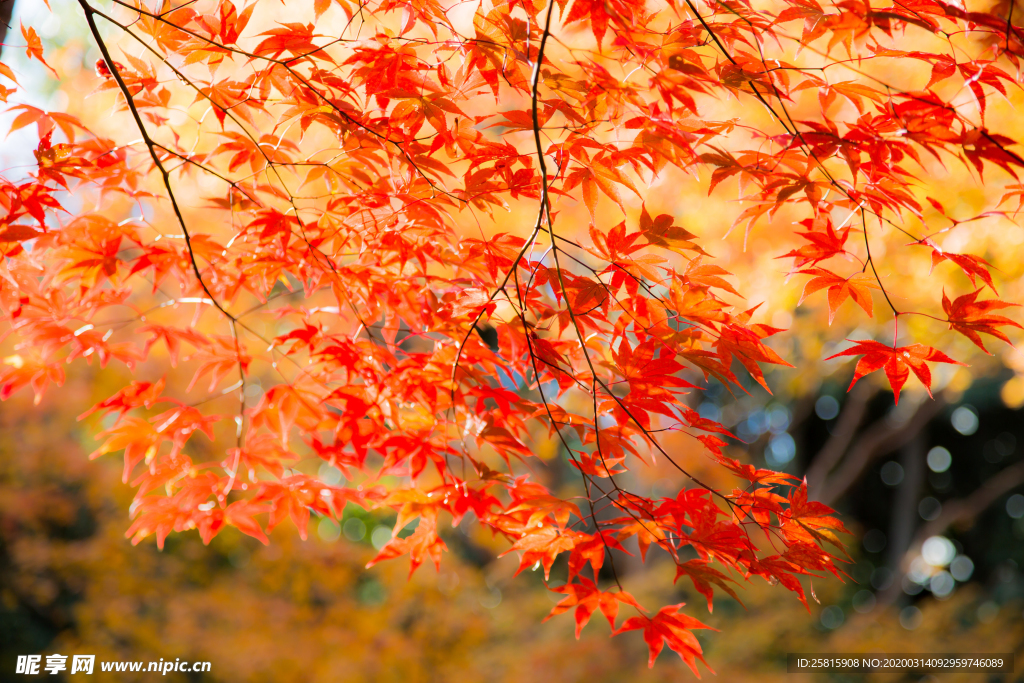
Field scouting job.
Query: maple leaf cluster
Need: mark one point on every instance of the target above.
(321, 248)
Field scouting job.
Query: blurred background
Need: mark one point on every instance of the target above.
(932, 491)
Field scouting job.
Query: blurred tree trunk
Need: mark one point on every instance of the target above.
(904, 518)
(6, 12)
(904, 514)
(877, 440)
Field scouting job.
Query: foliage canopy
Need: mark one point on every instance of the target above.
(356, 226)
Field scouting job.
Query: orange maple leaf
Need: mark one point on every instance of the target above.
(34, 47)
(840, 289)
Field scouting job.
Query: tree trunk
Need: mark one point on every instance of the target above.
(6, 12)
(904, 513)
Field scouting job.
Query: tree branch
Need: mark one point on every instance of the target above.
(842, 436)
(955, 513)
(881, 439)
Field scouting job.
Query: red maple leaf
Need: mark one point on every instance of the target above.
(587, 598)
(897, 362)
(670, 626)
(807, 521)
(968, 316)
(823, 245)
(703, 576)
(591, 548)
(541, 545)
(973, 266)
(744, 344)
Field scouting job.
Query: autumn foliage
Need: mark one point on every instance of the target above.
(326, 202)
